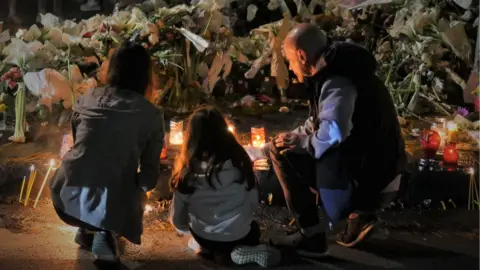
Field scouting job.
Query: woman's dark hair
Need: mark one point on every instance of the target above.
(208, 139)
(130, 68)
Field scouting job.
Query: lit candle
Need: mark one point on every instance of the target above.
(148, 209)
(443, 136)
(258, 136)
(450, 153)
(31, 181)
(52, 163)
(231, 128)
(452, 128)
(176, 132)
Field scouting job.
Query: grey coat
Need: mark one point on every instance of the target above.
(98, 182)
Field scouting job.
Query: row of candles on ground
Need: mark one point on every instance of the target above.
(28, 185)
(176, 133)
(440, 140)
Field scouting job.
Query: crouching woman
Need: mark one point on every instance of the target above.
(100, 187)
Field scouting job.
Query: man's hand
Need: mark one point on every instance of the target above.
(287, 140)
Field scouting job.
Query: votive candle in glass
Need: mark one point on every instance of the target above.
(258, 136)
(176, 132)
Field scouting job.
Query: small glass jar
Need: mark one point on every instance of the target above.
(176, 132)
(258, 136)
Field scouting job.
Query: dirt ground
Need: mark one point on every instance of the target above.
(37, 239)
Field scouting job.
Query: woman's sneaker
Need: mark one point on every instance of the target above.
(84, 238)
(104, 247)
(312, 247)
(263, 255)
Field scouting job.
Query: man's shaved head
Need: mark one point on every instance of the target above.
(303, 46)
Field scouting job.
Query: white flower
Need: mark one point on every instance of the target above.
(20, 33)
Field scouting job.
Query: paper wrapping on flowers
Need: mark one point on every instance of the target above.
(49, 21)
(32, 34)
(259, 63)
(472, 91)
(355, 4)
(51, 86)
(222, 61)
(413, 25)
(102, 73)
(137, 18)
(278, 66)
(454, 35)
(200, 43)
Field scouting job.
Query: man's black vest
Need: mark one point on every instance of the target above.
(374, 153)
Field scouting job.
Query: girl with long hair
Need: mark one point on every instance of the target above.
(215, 193)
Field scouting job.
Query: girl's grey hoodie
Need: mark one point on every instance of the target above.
(221, 213)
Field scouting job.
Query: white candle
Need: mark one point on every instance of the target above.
(52, 163)
(31, 181)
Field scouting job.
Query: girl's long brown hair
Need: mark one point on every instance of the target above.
(208, 139)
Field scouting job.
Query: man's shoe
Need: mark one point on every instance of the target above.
(313, 247)
(104, 247)
(84, 238)
(263, 255)
(356, 230)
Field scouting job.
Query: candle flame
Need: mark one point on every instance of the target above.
(452, 126)
(231, 128)
(148, 209)
(52, 162)
(32, 168)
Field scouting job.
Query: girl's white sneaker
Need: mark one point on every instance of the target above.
(263, 255)
(195, 247)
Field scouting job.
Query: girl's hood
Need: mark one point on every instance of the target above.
(226, 176)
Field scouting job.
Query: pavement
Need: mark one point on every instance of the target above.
(37, 239)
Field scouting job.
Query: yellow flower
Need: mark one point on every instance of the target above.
(476, 90)
(3, 107)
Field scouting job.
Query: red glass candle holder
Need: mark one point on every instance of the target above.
(450, 154)
(163, 155)
(430, 142)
